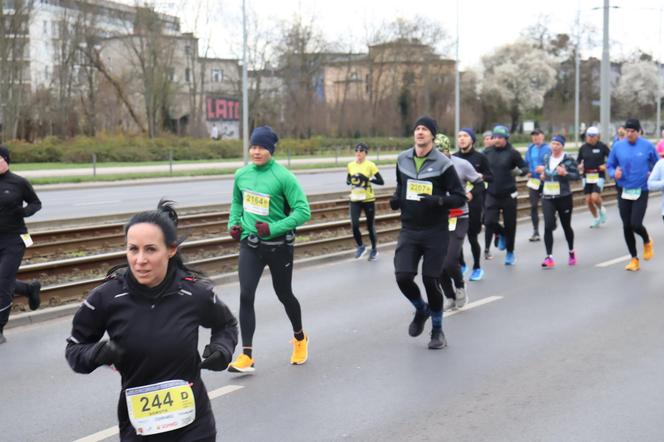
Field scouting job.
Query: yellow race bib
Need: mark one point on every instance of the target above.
(162, 407)
(415, 188)
(358, 194)
(551, 188)
(256, 203)
(592, 178)
(534, 183)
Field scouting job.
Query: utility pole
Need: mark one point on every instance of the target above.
(658, 121)
(605, 83)
(457, 81)
(245, 88)
(577, 77)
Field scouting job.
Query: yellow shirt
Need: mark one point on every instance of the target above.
(360, 174)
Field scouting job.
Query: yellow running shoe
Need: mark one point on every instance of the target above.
(633, 265)
(243, 364)
(300, 351)
(648, 252)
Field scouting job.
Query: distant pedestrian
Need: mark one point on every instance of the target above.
(214, 133)
(592, 158)
(535, 154)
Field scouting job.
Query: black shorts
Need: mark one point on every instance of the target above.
(413, 245)
(594, 187)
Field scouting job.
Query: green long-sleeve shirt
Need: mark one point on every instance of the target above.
(262, 193)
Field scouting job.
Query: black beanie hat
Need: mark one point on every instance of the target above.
(633, 123)
(264, 136)
(4, 153)
(361, 147)
(429, 123)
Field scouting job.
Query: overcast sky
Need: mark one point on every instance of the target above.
(484, 24)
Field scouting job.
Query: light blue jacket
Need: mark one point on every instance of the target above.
(656, 179)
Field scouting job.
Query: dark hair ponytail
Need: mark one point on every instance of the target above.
(166, 218)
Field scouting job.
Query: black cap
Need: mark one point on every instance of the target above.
(4, 153)
(361, 147)
(537, 132)
(633, 123)
(429, 123)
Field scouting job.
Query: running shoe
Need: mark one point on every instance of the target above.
(243, 364)
(602, 215)
(416, 326)
(572, 259)
(633, 265)
(373, 255)
(438, 340)
(548, 263)
(595, 223)
(487, 255)
(33, 295)
(2, 338)
(501, 242)
(461, 297)
(448, 304)
(477, 275)
(510, 259)
(648, 252)
(300, 351)
(464, 269)
(534, 238)
(360, 251)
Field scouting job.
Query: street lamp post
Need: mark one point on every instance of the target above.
(658, 121)
(457, 86)
(577, 79)
(605, 83)
(245, 88)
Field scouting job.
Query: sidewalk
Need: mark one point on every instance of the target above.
(165, 168)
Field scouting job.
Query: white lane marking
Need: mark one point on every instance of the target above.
(96, 203)
(613, 261)
(473, 304)
(110, 432)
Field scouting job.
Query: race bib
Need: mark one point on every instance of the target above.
(631, 194)
(27, 240)
(452, 223)
(551, 188)
(592, 178)
(256, 203)
(534, 183)
(358, 194)
(161, 407)
(416, 187)
(469, 187)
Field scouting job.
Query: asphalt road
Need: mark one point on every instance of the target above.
(90, 201)
(573, 353)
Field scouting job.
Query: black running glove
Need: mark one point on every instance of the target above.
(432, 201)
(214, 360)
(395, 202)
(108, 353)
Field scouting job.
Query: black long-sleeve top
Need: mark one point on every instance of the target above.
(503, 161)
(14, 191)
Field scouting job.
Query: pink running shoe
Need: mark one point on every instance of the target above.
(548, 263)
(572, 259)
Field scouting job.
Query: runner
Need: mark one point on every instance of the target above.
(268, 204)
(506, 163)
(630, 162)
(656, 178)
(152, 308)
(535, 158)
(427, 187)
(14, 238)
(558, 170)
(362, 173)
(466, 142)
(592, 164)
(458, 223)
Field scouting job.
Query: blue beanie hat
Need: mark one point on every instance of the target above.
(559, 138)
(501, 131)
(471, 132)
(429, 123)
(264, 136)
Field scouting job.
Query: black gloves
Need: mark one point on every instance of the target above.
(214, 360)
(432, 200)
(395, 202)
(236, 232)
(107, 353)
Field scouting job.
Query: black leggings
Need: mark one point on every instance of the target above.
(494, 206)
(252, 261)
(474, 228)
(632, 214)
(370, 213)
(11, 254)
(563, 206)
(451, 269)
(534, 197)
(407, 285)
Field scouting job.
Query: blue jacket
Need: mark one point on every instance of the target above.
(656, 179)
(635, 160)
(535, 156)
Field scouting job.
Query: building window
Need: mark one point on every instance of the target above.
(187, 75)
(217, 75)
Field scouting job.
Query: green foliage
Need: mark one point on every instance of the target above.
(119, 148)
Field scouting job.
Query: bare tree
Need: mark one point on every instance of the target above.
(636, 93)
